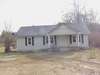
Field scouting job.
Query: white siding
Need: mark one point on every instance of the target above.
(38, 44)
(85, 44)
(80, 44)
(62, 41)
(62, 30)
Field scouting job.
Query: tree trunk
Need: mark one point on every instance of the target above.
(7, 45)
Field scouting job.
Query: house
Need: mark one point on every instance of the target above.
(60, 36)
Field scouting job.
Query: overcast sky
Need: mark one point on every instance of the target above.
(38, 12)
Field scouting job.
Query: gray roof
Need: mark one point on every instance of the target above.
(35, 30)
(79, 28)
(44, 29)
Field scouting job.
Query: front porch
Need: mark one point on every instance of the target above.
(66, 37)
(67, 41)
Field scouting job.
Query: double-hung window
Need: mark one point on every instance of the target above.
(32, 40)
(53, 39)
(82, 37)
(45, 40)
(25, 41)
(72, 39)
(29, 41)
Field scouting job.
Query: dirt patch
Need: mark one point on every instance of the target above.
(46, 64)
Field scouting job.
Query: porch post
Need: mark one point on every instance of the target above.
(78, 40)
(49, 43)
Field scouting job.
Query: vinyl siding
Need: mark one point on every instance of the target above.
(61, 41)
(38, 44)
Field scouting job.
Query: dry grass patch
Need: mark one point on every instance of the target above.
(48, 63)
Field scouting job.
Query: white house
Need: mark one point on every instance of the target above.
(49, 37)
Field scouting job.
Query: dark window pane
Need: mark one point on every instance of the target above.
(74, 38)
(47, 39)
(55, 40)
(32, 40)
(70, 39)
(25, 41)
(29, 40)
(43, 40)
(82, 38)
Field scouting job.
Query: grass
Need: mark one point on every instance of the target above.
(86, 55)
(75, 55)
(93, 53)
(49, 63)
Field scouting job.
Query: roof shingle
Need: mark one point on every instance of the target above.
(44, 29)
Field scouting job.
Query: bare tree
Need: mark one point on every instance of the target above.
(78, 13)
(69, 18)
(7, 36)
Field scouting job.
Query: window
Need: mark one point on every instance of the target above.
(51, 39)
(79, 38)
(47, 39)
(74, 38)
(82, 37)
(25, 41)
(32, 40)
(70, 39)
(43, 40)
(55, 40)
(29, 40)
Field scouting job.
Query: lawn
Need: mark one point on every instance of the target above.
(83, 62)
